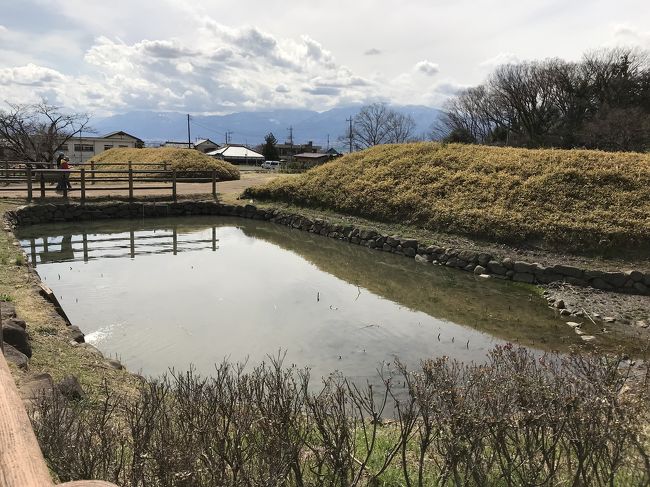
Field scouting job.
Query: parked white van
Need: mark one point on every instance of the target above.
(271, 165)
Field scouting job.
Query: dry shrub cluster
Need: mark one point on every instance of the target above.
(516, 420)
(565, 199)
(191, 163)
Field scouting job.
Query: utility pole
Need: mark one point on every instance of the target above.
(228, 134)
(189, 138)
(290, 143)
(350, 132)
(328, 142)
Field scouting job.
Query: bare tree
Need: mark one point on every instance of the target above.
(377, 124)
(602, 101)
(35, 132)
(371, 126)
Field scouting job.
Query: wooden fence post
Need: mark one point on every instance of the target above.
(42, 185)
(29, 183)
(214, 184)
(92, 173)
(174, 185)
(64, 178)
(7, 171)
(83, 186)
(130, 182)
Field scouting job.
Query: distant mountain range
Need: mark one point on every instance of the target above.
(251, 127)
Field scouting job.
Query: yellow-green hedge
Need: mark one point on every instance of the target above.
(569, 199)
(187, 161)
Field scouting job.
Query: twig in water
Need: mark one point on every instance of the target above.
(587, 315)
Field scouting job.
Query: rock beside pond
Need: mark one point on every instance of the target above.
(70, 388)
(420, 259)
(114, 363)
(16, 357)
(16, 336)
(38, 386)
(7, 311)
(76, 334)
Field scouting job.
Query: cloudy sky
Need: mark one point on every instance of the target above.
(210, 56)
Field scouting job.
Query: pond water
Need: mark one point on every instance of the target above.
(167, 293)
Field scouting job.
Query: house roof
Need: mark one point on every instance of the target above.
(312, 155)
(203, 141)
(236, 152)
(121, 133)
(172, 143)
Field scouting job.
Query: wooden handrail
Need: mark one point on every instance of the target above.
(21, 461)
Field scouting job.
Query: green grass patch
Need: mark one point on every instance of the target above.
(574, 200)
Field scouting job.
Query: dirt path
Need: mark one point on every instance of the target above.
(227, 190)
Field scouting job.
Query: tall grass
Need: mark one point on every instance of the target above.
(565, 199)
(515, 420)
(187, 161)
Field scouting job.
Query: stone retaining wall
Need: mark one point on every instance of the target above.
(631, 281)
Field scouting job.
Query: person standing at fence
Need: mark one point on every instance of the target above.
(59, 159)
(64, 181)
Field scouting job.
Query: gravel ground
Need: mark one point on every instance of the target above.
(611, 309)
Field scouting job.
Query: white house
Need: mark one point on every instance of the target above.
(81, 149)
(237, 154)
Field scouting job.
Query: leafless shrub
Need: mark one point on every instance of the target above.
(517, 419)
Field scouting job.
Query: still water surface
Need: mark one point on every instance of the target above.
(167, 293)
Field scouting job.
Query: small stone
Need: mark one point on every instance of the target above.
(70, 388)
(634, 275)
(642, 324)
(588, 338)
(573, 324)
(565, 312)
(609, 319)
(116, 364)
(485, 276)
(421, 259)
(578, 331)
(559, 304)
(479, 269)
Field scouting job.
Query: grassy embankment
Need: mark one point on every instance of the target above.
(189, 162)
(577, 200)
(52, 351)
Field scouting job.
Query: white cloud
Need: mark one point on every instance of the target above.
(630, 35)
(373, 51)
(30, 75)
(499, 59)
(427, 67)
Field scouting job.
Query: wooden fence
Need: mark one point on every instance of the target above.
(36, 180)
(68, 248)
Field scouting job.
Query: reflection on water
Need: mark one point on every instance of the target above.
(173, 292)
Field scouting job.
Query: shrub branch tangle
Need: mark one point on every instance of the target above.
(515, 420)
